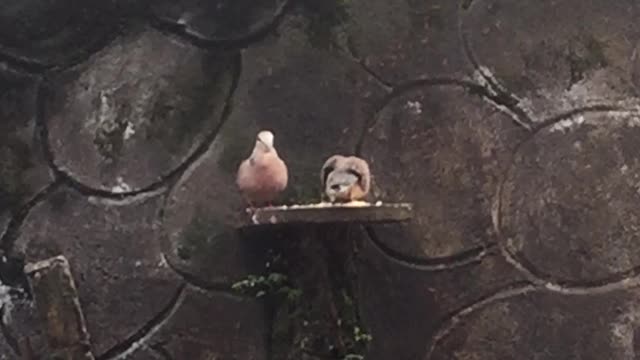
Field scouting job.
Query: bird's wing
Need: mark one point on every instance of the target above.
(328, 167)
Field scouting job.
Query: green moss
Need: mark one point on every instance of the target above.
(273, 284)
(322, 319)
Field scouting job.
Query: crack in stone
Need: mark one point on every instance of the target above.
(454, 319)
(458, 260)
(496, 93)
(351, 53)
(141, 337)
(183, 31)
(154, 188)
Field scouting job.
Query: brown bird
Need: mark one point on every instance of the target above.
(263, 175)
(345, 179)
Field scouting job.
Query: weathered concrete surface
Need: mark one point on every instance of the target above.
(219, 21)
(114, 250)
(137, 110)
(584, 206)
(419, 296)
(444, 150)
(510, 126)
(216, 325)
(23, 170)
(547, 326)
(201, 240)
(557, 55)
(57, 33)
(416, 39)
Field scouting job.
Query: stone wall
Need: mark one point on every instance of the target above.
(511, 125)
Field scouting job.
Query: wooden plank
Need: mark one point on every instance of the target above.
(332, 213)
(56, 299)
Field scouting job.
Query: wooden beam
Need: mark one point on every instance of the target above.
(57, 302)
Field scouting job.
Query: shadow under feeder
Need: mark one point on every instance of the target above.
(320, 244)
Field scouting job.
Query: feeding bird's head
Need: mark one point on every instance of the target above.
(345, 178)
(339, 185)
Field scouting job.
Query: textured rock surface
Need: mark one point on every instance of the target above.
(510, 125)
(23, 170)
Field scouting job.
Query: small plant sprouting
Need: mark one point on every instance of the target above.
(360, 336)
(271, 284)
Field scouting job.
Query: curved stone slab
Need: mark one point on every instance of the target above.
(202, 240)
(443, 150)
(396, 297)
(548, 327)
(122, 280)
(568, 207)
(216, 326)
(136, 110)
(57, 33)
(557, 54)
(405, 40)
(222, 20)
(23, 171)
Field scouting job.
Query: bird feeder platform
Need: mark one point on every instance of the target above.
(325, 213)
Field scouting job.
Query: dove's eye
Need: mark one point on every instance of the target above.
(355, 173)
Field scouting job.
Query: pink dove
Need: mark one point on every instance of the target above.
(262, 176)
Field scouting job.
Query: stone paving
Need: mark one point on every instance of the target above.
(511, 125)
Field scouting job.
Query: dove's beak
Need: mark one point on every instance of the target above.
(265, 146)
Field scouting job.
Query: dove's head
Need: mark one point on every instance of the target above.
(264, 142)
(339, 185)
